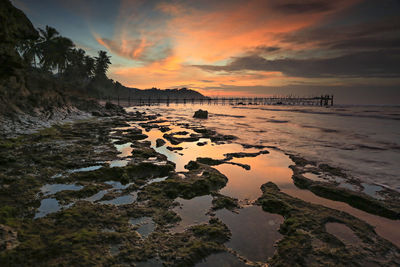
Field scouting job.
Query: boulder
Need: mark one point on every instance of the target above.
(170, 148)
(160, 142)
(202, 143)
(115, 108)
(201, 114)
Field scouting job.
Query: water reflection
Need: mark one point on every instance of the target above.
(145, 225)
(47, 206)
(372, 190)
(125, 150)
(245, 184)
(149, 263)
(191, 150)
(122, 200)
(86, 169)
(222, 259)
(273, 167)
(192, 211)
(49, 189)
(254, 232)
(342, 232)
(320, 134)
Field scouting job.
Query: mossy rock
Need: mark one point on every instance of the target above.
(224, 202)
(306, 240)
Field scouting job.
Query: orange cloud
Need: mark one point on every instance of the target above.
(204, 36)
(208, 37)
(132, 49)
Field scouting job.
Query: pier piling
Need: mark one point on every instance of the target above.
(323, 100)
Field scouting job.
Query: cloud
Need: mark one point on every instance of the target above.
(295, 7)
(359, 64)
(133, 49)
(171, 8)
(220, 45)
(221, 31)
(266, 49)
(359, 35)
(231, 49)
(366, 43)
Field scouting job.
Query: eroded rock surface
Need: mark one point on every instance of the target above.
(201, 114)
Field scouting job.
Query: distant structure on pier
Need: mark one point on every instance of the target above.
(323, 100)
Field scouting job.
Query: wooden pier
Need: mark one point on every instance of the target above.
(323, 100)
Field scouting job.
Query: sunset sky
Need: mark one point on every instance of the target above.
(349, 48)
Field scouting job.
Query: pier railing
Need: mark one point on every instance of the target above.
(324, 100)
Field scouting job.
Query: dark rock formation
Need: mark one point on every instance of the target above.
(160, 142)
(170, 148)
(177, 140)
(115, 108)
(164, 129)
(201, 114)
(14, 27)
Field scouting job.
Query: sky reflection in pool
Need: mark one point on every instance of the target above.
(49, 189)
(145, 225)
(47, 206)
(222, 259)
(254, 231)
(192, 211)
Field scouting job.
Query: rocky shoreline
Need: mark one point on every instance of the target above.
(15, 124)
(95, 192)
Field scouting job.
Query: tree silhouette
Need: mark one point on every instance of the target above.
(62, 47)
(53, 49)
(76, 64)
(102, 64)
(54, 54)
(46, 46)
(89, 66)
(29, 50)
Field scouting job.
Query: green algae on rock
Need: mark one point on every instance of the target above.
(387, 207)
(306, 240)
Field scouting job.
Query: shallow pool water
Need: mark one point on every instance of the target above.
(86, 169)
(49, 189)
(372, 190)
(343, 232)
(192, 211)
(122, 200)
(145, 225)
(254, 231)
(47, 206)
(96, 196)
(222, 259)
(149, 263)
(245, 184)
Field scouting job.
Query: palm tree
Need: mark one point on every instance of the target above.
(47, 34)
(89, 66)
(46, 47)
(61, 48)
(29, 50)
(53, 49)
(76, 57)
(76, 64)
(102, 62)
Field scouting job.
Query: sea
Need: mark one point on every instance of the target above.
(362, 140)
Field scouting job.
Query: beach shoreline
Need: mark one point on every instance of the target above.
(119, 176)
